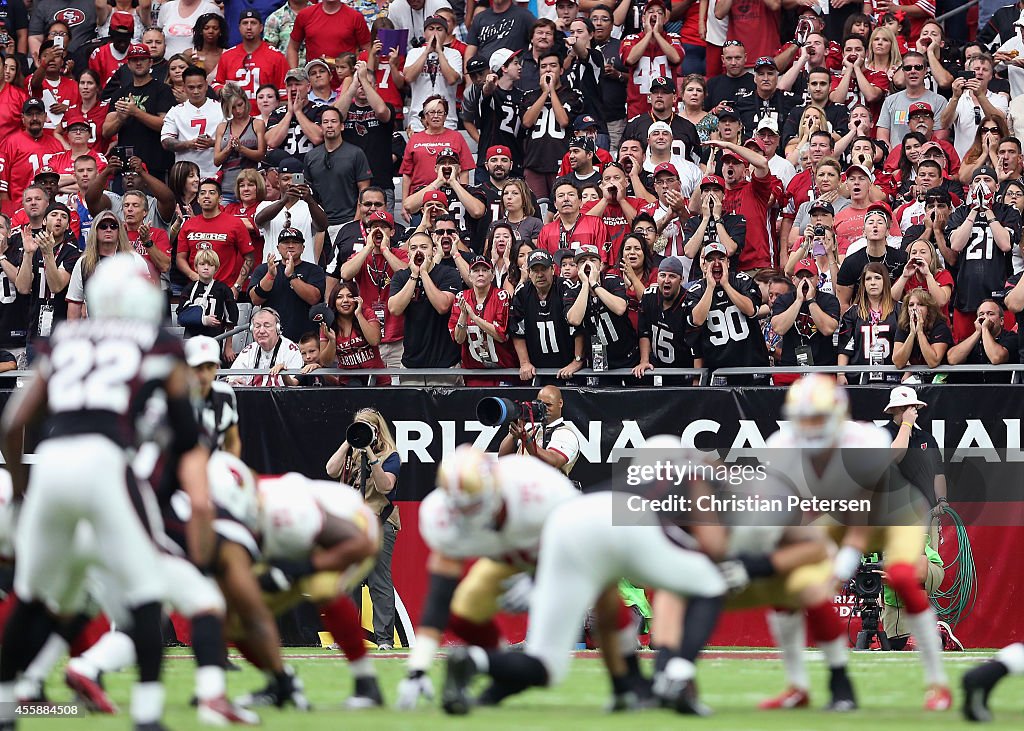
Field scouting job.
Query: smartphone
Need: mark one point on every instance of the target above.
(818, 249)
(120, 153)
(58, 41)
(298, 179)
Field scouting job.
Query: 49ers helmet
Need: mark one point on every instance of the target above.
(469, 479)
(233, 487)
(816, 407)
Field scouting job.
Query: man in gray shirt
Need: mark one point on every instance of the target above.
(337, 171)
(893, 121)
(78, 15)
(503, 25)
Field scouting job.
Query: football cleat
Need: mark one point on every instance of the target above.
(791, 697)
(89, 691)
(366, 695)
(978, 683)
(950, 643)
(279, 692)
(938, 698)
(460, 671)
(843, 698)
(222, 712)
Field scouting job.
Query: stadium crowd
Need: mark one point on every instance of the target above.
(611, 185)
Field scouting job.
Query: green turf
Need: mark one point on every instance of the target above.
(889, 685)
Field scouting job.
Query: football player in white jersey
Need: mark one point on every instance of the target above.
(319, 540)
(587, 545)
(488, 508)
(833, 457)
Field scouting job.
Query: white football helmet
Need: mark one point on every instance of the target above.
(469, 479)
(120, 288)
(233, 487)
(816, 408)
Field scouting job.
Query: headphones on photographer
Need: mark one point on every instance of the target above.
(272, 311)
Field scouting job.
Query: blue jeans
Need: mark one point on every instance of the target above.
(695, 60)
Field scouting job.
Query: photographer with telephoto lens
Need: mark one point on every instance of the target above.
(368, 460)
(547, 436)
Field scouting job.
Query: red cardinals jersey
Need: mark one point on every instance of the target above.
(855, 95)
(64, 162)
(586, 230)
(21, 157)
(651, 65)
(223, 233)
(480, 349)
(265, 65)
(615, 222)
(105, 61)
(374, 281)
(355, 353)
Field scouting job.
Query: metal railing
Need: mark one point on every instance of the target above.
(1012, 368)
(962, 9)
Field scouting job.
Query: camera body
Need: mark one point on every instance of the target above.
(496, 411)
(361, 435)
(867, 582)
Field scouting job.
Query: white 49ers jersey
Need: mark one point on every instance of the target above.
(530, 491)
(294, 508)
(853, 469)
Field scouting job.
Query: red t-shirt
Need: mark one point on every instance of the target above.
(328, 35)
(64, 162)
(892, 162)
(757, 26)
(21, 157)
(374, 281)
(690, 32)
(223, 233)
(248, 212)
(617, 227)
(750, 200)
(481, 350)
(355, 353)
(586, 230)
(105, 62)
(651, 65)
(421, 153)
(12, 99)
(849, 226)
(633, 297)
(160, 241)
(265, 65)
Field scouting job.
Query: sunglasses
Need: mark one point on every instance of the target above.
(730, 44)
(443, 231)
(986, 130)
(913, 67)
(373, 204)
(109, 226)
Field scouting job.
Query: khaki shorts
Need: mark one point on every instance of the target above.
(476, 596)
(783, 590)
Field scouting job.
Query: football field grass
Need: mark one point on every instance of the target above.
(889, 685)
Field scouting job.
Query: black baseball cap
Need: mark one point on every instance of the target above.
(727, 113)
(290, 165)
(33, 105)
(661, 82)
(250, 14)
(824, 206)
(539, 258)
(475, 65)
(290, 233)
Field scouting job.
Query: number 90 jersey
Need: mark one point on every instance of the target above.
(294, 509)
(530, 491)
(728, 338)
(101, 373)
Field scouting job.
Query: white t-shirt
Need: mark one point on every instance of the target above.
(782, 169)
(965, 123)
(1014, 73)
(253, 357)
(76, 287)
(300, 219)
(689, 174)
(177, 28)
(403, 16)
(424, 86)
(186, 122)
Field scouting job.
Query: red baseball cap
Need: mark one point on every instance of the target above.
(381, 216)
(74, 117)
(756, 142)
(495, 150)
(918, 107)
(435, 196)
(712, 180)
(666, 167)
(806, 265)
(880, 206)
(122, 22)
(136, 50)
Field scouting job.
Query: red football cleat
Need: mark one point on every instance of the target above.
(789, 698)
(938, 698)
(950, 643)
(221, 712)
(91, 693)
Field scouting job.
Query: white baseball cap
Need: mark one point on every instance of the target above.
(903, 396)
(500, 58)
(200, 350)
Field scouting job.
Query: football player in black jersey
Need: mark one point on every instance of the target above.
(663, 327)
(601, 310)
(541, 332)
(92, 378)
(722, 310)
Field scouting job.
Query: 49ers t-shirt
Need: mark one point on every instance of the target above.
(223, 233)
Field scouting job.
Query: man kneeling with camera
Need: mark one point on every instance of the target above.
(540, 431)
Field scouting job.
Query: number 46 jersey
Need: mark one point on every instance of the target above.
(728, 338)
(100, 375)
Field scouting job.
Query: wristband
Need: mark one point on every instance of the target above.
(259, 290)
(376, 461)
(943, 500)
(906, 423)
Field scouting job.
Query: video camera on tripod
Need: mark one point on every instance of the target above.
(867, 587)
